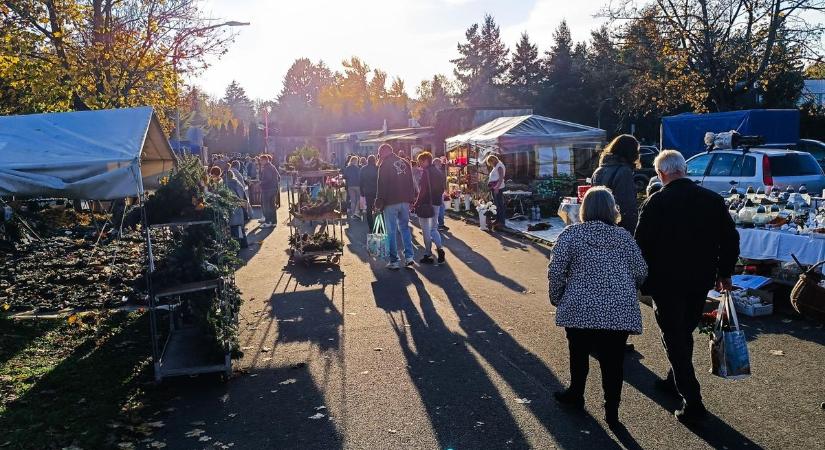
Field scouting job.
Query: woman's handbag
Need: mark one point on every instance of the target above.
(426, 210)
(729, 348)
(378, 242)
(807, 296)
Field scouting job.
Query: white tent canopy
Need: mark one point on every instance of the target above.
(89, 155)
(511, 134)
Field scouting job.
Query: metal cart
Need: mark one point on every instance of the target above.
(185, 350)
(303, 187)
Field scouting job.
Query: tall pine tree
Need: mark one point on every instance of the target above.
(524, 77)
(481, 68)
(563, 95)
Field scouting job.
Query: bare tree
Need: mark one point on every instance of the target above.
(728, 44)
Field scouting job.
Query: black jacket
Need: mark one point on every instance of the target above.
(688, 239)
(395, 182)
(369, 180)
(431, 187)
(617, 175)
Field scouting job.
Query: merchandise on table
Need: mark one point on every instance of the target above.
(751, 302)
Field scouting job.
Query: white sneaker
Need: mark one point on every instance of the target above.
(261, 220)
(267, 225)
(393, 266)
(409, 263)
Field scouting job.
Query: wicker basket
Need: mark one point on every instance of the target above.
(807, 296)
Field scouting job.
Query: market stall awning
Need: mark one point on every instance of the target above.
(405, 135)
(507, 134)
(91, 155)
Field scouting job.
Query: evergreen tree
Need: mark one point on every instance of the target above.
(524, 77)
(433, 96)
(235, 97)
(482, 65)
(563, 95)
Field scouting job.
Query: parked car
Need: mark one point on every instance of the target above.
(759, 167)
(812, 146)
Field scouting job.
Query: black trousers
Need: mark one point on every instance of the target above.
(608, 348)
(677, 315)
(370, 214)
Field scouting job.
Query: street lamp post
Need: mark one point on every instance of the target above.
(176, 57)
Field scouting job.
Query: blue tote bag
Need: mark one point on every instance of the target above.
(728, 347)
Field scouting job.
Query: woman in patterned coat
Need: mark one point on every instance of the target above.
(594, 273)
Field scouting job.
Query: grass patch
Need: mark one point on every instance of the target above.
(80, 383)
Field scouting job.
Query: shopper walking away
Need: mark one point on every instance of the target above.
(352, 175)
(426, 207)
(594, 272)
(270, 194)
(438, 163)
(369, 186)
(690, 243)
(237, 220)
(618, 163)
(394, 194)
(496, 184)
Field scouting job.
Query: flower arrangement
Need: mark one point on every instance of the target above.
(488, 209)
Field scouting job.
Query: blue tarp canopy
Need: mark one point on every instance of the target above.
(686, 132)
(89, 155)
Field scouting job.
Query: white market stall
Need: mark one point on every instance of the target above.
(535, 146)
(87, 155)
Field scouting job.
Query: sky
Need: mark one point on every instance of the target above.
(413, 39)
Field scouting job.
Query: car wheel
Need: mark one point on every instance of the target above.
(641, 182)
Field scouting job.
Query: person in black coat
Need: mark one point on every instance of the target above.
(690, 244)
(369, 186)
(616, 168)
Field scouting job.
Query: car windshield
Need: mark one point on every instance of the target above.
(794, 165)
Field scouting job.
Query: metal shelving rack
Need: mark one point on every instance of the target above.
(332, 223)
(185, 350)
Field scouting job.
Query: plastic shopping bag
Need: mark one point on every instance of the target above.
(377, 241)
(729, 348)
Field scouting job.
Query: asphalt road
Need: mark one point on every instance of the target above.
(463, 356)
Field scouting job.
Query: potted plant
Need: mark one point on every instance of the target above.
(486, 212)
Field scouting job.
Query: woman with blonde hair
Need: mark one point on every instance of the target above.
(495, 182)
(594, 274)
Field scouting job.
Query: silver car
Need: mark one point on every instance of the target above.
(720, 169)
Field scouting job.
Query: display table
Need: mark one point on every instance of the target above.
(775, 245)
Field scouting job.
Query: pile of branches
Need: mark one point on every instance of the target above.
(77, 261)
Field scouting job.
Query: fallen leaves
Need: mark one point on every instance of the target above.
(777, 353)
(194, 433)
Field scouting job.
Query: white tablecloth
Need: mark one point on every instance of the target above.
(763, 244)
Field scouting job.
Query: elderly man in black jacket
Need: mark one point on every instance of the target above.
(690, 244)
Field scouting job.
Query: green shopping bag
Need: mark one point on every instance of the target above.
(378, 242)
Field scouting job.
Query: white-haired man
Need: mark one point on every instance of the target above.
(690, 244)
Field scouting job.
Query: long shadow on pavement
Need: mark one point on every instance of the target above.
(714, 430)
(477, 262)
(268, 408)
(524, 372)
(464, 406)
